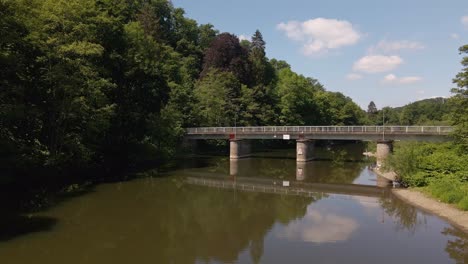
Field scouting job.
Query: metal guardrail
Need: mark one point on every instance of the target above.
(428, 130)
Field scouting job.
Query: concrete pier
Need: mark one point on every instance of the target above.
(301, 171)
(304, 150)
(384, 148)
(233, 167)
(239, 148)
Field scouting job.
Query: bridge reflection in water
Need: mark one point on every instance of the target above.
(288, 187)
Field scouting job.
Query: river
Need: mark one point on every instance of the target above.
(264, 209)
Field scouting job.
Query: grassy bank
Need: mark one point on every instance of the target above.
(438, 169)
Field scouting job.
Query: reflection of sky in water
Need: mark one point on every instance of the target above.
(355, 229)
(320, 227)
(366, 177)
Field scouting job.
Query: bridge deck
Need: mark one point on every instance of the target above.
(429, 133)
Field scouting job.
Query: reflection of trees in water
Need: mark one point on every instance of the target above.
(458, 247)
(216, 225)
(280, 164)
(406, 216)
(324, 171)
(314, 171)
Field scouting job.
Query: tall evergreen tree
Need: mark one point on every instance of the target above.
(372, 109)
(257, 43)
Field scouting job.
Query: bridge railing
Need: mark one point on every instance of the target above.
(440, 130)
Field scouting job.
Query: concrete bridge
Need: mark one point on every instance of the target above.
(306, 135)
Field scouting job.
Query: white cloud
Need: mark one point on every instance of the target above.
(243, 37)
(377, 63)
(420, 92)
(393, 79)
(410, 79)
(390, 78)
(353, 76)
(387, 47)
(464, 21)
(321, 35)
(454, 36)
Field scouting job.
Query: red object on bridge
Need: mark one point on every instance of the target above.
(232, 136)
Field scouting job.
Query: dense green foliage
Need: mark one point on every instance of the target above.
(442, 169)
(88, 83)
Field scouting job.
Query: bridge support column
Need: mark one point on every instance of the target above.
(239, 149)
(301, 171)
(233, 167)
(384, 148)
(304, 150)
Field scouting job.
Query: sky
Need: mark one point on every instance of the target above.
(390, 52)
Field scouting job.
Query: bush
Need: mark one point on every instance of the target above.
(449, 190)
(463, 203)
(439, 167)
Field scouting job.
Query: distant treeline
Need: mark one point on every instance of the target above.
(434, 111)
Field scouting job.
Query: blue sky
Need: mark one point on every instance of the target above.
(390, 52)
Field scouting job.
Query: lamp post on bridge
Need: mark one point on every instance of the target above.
(383, 123)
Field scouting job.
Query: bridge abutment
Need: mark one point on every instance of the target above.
(304, 150)
(384, 149)
(239, 148)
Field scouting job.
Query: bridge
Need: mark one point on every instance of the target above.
(306, 135)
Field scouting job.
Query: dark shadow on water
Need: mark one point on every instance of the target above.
(12, 226)
(19, 206)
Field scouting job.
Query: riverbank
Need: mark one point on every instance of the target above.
(429, 204)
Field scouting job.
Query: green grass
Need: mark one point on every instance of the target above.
(449, 190)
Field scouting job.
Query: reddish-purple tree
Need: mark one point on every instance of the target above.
(226, 54)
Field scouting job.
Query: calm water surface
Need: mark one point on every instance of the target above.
(235, 216)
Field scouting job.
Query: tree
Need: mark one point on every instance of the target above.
(296, 99)
(217, 95)
(262, 71)
(207, 35)
(279, 64)
(20, 120)
(371, 109)
(460, 101)
(226, 54)
(337, 109)
(258, 43)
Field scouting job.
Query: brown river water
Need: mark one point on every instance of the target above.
(211, 210)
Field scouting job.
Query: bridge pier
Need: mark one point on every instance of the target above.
(239, 148)
(233, 167)
(304, 150)
(384, 148)
(301, 171)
